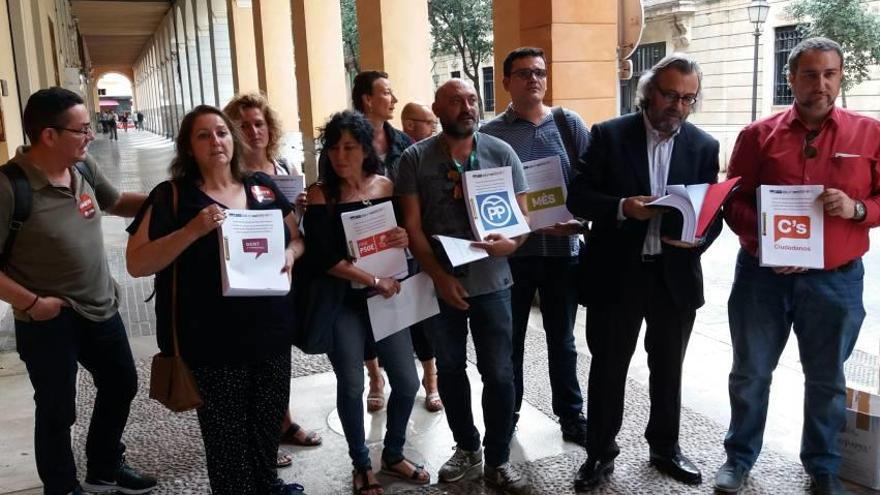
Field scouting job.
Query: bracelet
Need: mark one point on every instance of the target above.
(31, 306)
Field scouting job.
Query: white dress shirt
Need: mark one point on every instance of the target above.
(659, 155)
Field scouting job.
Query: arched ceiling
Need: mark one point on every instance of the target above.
(115, 31)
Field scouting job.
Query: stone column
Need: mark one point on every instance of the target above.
(273, 36)
(395, 38)
(579, 38)
(320, 70)
(244, 52)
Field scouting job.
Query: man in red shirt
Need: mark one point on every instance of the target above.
(813, 142)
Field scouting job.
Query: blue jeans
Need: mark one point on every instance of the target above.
(554, 279)
(491, 327)
(51, 350)
(349, 335)
(826, 311)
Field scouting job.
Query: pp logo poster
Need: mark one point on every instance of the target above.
(495, 210)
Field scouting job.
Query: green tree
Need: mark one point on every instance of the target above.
(848, 22)
(350, 42)
(463, 28)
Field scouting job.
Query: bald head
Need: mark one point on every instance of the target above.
(455, 104)
(418, 121)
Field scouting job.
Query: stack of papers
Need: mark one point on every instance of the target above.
(547, 192)
(699, 205)
(290, 185)
(416, 301)
(791, 226)
(491, 203)
(366, 233)
(252, 253)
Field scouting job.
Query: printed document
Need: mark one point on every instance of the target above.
(290, 185)
(791, 226)
(252, 253)
(460, 251)
(698, 204)
(492, 204)
(366, 235)
(416, 301)
(547, 192)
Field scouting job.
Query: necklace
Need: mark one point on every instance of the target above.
(455, 173)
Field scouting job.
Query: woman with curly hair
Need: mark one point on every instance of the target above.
(262, 132)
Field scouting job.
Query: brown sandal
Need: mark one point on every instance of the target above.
(312, 439)
(283, 460)
(366, 486)
(416, 477)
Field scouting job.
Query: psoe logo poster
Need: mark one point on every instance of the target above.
(791, 227)
(495, 210)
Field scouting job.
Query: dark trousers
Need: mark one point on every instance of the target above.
(51, 350)
(554, 280)
(490, 325)
(612, 334)
(240, 421)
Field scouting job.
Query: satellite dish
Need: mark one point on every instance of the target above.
(630, 23)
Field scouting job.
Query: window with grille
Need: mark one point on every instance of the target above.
(489, 89)
(786, 39)
(643, 59)
(456, 74)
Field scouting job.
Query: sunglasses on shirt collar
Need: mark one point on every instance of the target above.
(810, 151)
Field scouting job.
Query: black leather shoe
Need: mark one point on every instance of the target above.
(677, 467)
(592, 473)
(730, 478)
(574, 429)
(827, 484)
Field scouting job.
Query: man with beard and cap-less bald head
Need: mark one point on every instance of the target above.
(634, 273)
(430, 191)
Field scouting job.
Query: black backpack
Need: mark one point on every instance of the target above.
(23, 201)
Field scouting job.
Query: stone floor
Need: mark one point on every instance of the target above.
(139, 160)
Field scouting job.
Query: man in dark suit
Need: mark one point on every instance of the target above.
(635, 271)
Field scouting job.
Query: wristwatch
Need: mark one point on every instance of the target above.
(860, 211)
(375, 282)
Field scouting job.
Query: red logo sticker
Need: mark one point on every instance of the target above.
(373, 244)
(259, 246)
(86, 206)
(262, 194)
(792, 227)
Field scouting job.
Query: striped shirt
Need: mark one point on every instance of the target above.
(531, 142)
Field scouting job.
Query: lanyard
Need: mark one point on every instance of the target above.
(472, 163)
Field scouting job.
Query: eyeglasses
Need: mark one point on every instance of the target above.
(810, 151)
(85, 131)
(526, 74)
(673, 97)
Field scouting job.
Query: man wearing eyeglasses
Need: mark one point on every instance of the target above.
(56, 277)
(547, 262)
(418, 121)
(813, 142)
(635, 272)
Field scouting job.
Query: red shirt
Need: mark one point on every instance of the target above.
(770, 151)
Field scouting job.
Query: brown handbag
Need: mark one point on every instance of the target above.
(171, 381)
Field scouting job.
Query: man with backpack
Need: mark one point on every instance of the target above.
(547, 261)
(55, 275)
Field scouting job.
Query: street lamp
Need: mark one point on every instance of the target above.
(758, 10)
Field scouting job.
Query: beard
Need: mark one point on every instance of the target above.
(457, 129)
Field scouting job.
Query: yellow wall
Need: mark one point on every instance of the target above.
(9, 106)
(241, 42)
(395, 38)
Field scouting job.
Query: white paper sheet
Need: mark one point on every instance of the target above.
(291, 185)
(252, 253)
(366, 232)
(791, 226)
(689, 201)
(460, 251)
(416, 301)
(547, 192)
(492, 204)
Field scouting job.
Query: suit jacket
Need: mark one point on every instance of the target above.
(615, 167)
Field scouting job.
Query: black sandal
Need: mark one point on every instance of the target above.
(367, 486)
(414, 478)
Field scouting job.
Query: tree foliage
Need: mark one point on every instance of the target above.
(350, 42)
(848, 22)
(463, 28)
